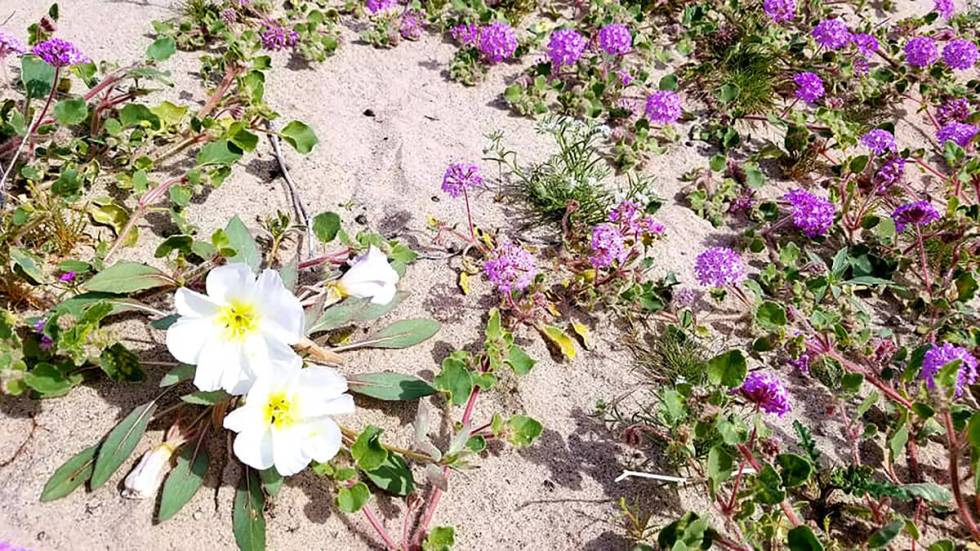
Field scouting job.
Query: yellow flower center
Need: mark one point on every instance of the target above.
(279, 410)
(238, 319)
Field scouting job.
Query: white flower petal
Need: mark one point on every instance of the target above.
(187, 337)
(254, 447)
(230, 281)
(193, 304)
(385, 295)
(282, 313)
(244, 418)
(323, 440)
(221, 364)
(287, 449)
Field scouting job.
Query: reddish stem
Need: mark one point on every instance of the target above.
(954, 478)
(786, 507)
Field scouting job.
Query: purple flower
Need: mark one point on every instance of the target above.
(460, 177)
(954, 110)
(802, 363)
(7, 546)
(938, 356)
(9, 44)
(865, 43)
(958, 132)
(510, 268)
(615, 39)
(45, 342)
(59, 53)
(465, 33)
(632, 221)
(879, 141)
(718, 266)
(921, 51)
(685, 297)
(960, 54)
(608, 246)
(497, 42)
(229, 16)
(890, 173)
(832, 34)
(944, 8)
(861, 66)
(766, 391)
(411, 25)
(809, 87)
(625, 78)
(67, 277)
(919, 213)
(374, 6)
(276, 37)
(663, 107)
(811, 214)
(565, 47)
(779, 10)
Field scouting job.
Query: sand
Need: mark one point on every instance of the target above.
(559, 494)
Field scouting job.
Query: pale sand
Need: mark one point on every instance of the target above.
(558, 494)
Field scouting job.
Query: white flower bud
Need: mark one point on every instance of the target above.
(370, 276)
(145, 478)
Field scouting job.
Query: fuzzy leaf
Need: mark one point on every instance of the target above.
(246, 250)
(400, 334)
(728, 369)
(127, 277)
(351, 500)
(300, 136)
(353, 310)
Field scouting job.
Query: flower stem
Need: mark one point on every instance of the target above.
(376, 524)
(922, 259)
(954, 476)
(469, 214)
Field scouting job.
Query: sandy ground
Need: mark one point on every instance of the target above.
(559, 494)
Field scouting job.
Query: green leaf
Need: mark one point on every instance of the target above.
(561, 340)
(325, 226)
(728, 93)
(121, 442)
(400, 334)
(770, 316)
(794, 469)
(121, 364)
(27, 265)
(135, 114)
(886, 534)
(37, 76)
(928, 491)
(247, 517)
(72, 474)
(300, 136)
(161, 49)
(390, 386)
(221, 153)
(127, 277)
(524, 430)
(70, 111)
(246, 250)
(183, 481)
(50, 381)
(206, 397)
(519, 360)
(271, 481)
(455, 379)
(353, 310)
(768, 485)
(351, 500)
(719, 465)
(801, 538)
(440, 538)
(728, 369)
(393, 476)
(367, 450)
(169, 113)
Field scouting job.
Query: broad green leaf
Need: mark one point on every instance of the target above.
(886, 534)
(719, 465)
(351, 500)
(928, 491)
(70, 111)
(169, 113)
(37, 76)
(135, 114)
(27, 264)
(221, 153)
(393, 476)
(121, 364)
(400, 334)
(519, 360)
(161, 49)
(354, 310)
(560, 339)
(770, 316)
(455, 379)
(524, 430)
(247, 517)
(769, 487)
(271, 481)
(50, 381)
(121, 442)
(300, 136)
(728, 369)
(72, 474)
(795, 470)
(325, 226)
(801, 538)
(390, 386)
(440, 538)
(205, 397)
(183, 481)
(127, 277)
(246, 250)
(367, 450)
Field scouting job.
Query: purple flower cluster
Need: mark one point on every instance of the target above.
(938, 356)
(510, 268)
(374, 6)
(9, 44)
(811, 214)
(944, 8)
(879, 141)
(565, 47)
(685, 297)
(615, 39)
(59, 53)
(411, 25)
(890, 173)
(460, 177)
(921, 51)
(802, 363)
(632, 221)
(919, 213)
(275, 37)
(45, 342)
(663, 107)
(779, 10)
(625, 78)
(809, 87)
(766, 391)
(229, 16)
(832, 34)
(960, 54)
(497, 41)
(866, 44)
(954, 110)
(7, 546)
(958, 132)
(465, 33)
(718, 266)
(608, 246)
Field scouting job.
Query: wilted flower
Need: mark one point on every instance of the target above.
(59, 53)
(632, 221)
(960, 54)
(286, 421)
(565, 47)
(465, 33)
(370, 276)
(954, 110)
(374, 6)
(144, 480)
(879, 141)
(811, 214)
(920, 213)
(615, 39)
(921, 51)
(510, 268)
(497, 41)
(44, 341)
(241, 329)
(832, 34)
(9, 44)
(411, 25)
(718, 266)
(939, 356)
(663, 107)
(960, 133)
(779, 10)
(809, 87)
(889, 174)
(944, 8)
(766, 390)
(802, 363)
(460, 177)
(865, 43)
(275, 37)
(608, 246)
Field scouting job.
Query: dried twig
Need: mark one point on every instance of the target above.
(298, 205)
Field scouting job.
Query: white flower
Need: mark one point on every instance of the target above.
(145, 479)
(241, 329)
(286, 418)
(370, 276)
